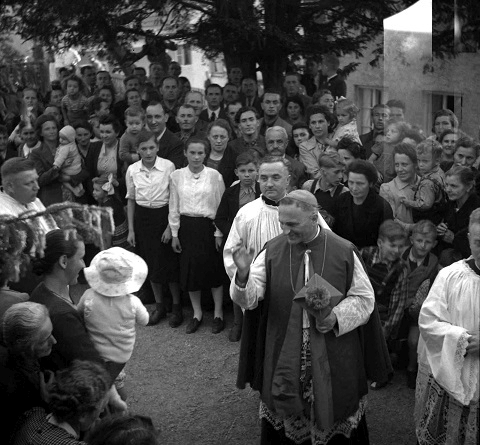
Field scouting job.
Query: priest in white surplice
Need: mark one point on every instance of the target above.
(257, 222)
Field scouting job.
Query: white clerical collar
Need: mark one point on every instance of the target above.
(315, 237)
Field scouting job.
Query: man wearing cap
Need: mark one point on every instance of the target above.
(309, 370)
(257, 222)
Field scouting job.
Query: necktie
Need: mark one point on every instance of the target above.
(212, 117)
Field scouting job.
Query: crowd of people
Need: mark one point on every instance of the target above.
(229, 191)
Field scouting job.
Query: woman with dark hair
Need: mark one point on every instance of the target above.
(107, 93)
(103, 156)
(59, 268)
(294, 109)
(83, 137)
(325, 98)
(359, 214)
(447, 139)
(452, 231)
(444, 120)
(49, 178)
(300, 134)
(195, 194)
(221, 157)
(350, 150)
(27, 335)
(321, 122)
(55, 95)
(130, 429)
(76, 397)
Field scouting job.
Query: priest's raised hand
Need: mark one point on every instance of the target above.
(242, 258)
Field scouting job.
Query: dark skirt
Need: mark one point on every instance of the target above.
(201, 266)
(162, 261)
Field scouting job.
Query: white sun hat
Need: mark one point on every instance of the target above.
(115, 272)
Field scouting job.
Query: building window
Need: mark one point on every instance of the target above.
(365, 99)
(217, 67)
(184, 55)
(435, 101)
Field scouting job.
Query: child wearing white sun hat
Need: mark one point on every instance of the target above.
(109, 310)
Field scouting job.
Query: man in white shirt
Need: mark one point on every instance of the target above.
(19, 194)
(20, 187)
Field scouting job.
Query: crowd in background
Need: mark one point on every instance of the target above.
(176, 165)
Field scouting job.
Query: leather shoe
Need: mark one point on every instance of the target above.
(235, 333)
(218, 325)
(156, 316)
(176, 319)
(193, 325)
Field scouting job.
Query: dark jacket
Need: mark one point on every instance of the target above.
(229, 206)
(226, 167)
(171, 148)
(222, 114)
(457, 222)
(257, 104)
(337, 86)
(298, 174)
(368, 141)
(73, 341)
(239, 146)
(91, 162)
(362, 228)
(48, 178)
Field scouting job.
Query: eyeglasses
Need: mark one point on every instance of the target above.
(218, 137)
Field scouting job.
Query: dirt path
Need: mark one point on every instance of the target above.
(186, 383)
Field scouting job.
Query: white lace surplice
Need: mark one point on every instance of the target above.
(451, 309)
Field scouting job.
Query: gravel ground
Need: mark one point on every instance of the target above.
(186, 384)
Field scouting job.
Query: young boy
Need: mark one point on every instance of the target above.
(135, 123)
(421, 265)
(389, 277)
(429, 200)
(239, 194)
(235, 197)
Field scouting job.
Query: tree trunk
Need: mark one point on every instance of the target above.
(280, 19)
(238, 52)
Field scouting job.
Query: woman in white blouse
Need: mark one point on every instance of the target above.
(195, 194)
